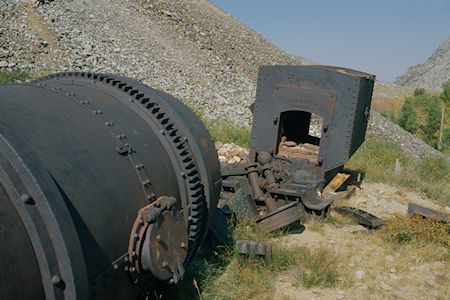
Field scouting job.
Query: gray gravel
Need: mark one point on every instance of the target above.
(188, 48)
(379, 126)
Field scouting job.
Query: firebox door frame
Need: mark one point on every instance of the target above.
(294, 98)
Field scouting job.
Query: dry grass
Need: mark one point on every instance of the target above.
(376, 160)
(223, 130)
(340, 220)
(225, 275)
(251, 279)
(401, 229)
(299, 266)
(316, 267)
(316, 225)
(388, 107)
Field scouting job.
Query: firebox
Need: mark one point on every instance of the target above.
(307, 122)
(316, 114)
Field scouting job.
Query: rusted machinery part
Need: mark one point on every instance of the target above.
(415, 209)
(281, 217)
(254, 183)
(80, 155)
(159, 241)
(187, 137)
(362, 217)
(40, 258)
(253, 249)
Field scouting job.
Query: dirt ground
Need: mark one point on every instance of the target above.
(370, 268)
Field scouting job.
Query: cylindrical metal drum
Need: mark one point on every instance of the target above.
(106, 186)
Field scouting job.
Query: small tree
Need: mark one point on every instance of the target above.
(419, 91)
(408, 117)
(445, 95)
(446, 139)
(433, 118)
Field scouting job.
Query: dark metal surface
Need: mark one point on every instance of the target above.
(166, 241)
(243, 206)
(252, 250)
(415, 209)
(340, 96)
(287, 98)
(281, 217)
(49, 229)
(182, 135)
(363, 217)
(82, 154)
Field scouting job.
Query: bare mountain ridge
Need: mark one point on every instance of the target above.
(432, 73)
(190, 49)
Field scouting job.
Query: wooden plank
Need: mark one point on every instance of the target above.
(342, 198)
(311, 158)
(336, 182)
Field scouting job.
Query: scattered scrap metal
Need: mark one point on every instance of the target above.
(362, 217)
(289, 165)
(415, 209)
(253, 250)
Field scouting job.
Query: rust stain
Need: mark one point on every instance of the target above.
(204, 143)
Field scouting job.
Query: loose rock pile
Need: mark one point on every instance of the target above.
(379, 126)
(231, 153)
(190, 49)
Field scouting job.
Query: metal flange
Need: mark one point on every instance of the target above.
(159, 241)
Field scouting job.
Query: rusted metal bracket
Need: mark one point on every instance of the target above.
(253, 249)
(159, 241)
(281, 217)
(415, 209)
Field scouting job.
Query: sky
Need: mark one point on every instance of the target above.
(379, 36)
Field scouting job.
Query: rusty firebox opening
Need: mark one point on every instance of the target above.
(299, 135)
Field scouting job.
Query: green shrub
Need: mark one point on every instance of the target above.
(419, 91)
(421, 115)
(433, 119)
(389, 115)
(445, 95)
(408, 116)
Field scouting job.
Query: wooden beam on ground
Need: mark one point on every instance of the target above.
(336, 182)
(341, 198)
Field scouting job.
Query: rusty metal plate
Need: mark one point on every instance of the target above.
(283, 216)
(166, 252)
(414, 209)
(253, 249)
(364, 218)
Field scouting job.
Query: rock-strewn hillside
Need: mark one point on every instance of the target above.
(385, 90)
(432, 73)
(188, 48)
(191, 49)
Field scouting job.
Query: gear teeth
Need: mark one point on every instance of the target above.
(193, 173)
(197, 200)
